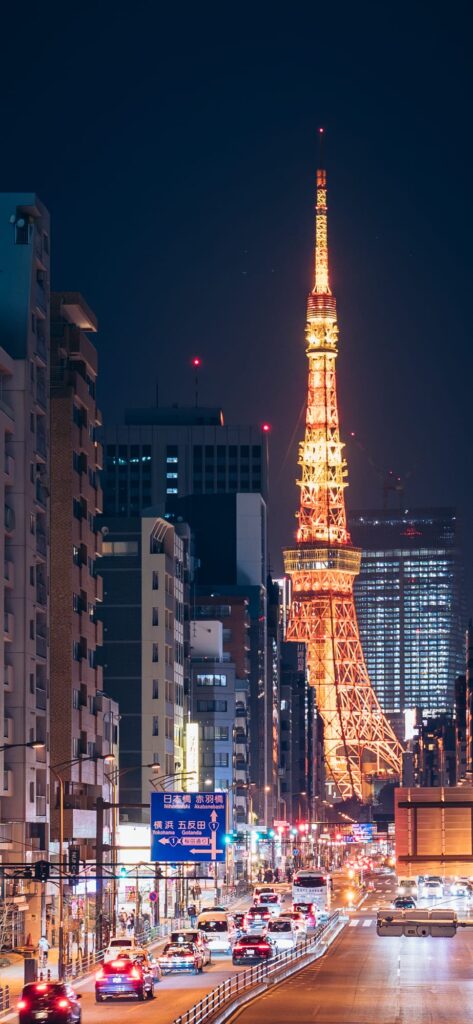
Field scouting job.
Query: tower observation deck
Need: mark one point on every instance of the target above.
(358, 740)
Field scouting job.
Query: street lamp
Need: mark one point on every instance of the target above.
(31, 745)
(54, 768)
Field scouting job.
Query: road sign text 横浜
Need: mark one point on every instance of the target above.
(188, 827)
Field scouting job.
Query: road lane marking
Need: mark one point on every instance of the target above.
(367, 923)
(354, 921)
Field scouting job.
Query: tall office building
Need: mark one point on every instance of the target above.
(84, 727)
(24, 704)
(194, 468)
(408, 604)
(163, 453)
(146, 570)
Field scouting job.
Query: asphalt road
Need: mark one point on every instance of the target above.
(364, 979)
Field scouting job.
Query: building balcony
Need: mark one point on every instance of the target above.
(9, 520)
(9, 573)
(98, 633)
(41, 349)
(41, 594)
(41, 543)
(9, 470)
(99, 588)
(8, 623)
(40, 396)
(8, 677)
(41, 699)
(41, 495)
(40, 806)
(41, 645)
(40, 445)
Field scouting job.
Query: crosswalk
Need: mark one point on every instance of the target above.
(365, 922)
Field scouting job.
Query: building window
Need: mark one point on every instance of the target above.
(155, 652)
(211, 679)
(211, 706)
(155, 617)
(76, 650)
(214, 759)
(155, 689)
(32, 683)
(31, 792)
(76, 699)
(155, 725)
(120, 547)
(171, 490)
(76, 746)
(76, 555)
(155, 582)
(90, 748)
(215, 732)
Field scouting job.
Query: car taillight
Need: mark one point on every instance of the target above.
(63, 1004)
(237, 948)
(23, 1004)
(134, 973)
(100, 974)
(120, 964)
(41, 987)
(262, 945)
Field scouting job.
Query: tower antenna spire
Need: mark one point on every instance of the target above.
(321, 161)
(321, 283)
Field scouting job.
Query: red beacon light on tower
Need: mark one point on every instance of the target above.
(266, 427)
(196, 362)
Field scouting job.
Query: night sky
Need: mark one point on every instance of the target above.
(177, 153)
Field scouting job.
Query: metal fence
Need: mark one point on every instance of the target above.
(236, 984)
(4, 998)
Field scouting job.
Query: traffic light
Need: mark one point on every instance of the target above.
(228, 838)
(419, 924)
(123, 873)
(74, 860)
(41, 870)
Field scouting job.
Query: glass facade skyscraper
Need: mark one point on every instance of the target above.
(408, 600)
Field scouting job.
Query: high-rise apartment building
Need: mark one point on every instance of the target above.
(408, 604)
(146, 566)
(24, 391)
(85, 723)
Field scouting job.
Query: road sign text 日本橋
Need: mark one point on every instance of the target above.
(188, 827)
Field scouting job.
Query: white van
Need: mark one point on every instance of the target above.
(127, 946)
(219, 929)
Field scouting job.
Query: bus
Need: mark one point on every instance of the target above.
(311, 886)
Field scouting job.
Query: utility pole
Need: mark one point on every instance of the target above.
(99, 874)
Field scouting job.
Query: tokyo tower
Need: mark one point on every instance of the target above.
(358, 740)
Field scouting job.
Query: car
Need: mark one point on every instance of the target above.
(123, 977)
(121, 944)
(308, 912)
(298, 919)
(461, 887)
(252, 948)
(257, 914)
(148, 962)
(239, 921)
(271, 901)
(432, 890)
(49, 1001)
(181, 956)
(404, 903)
(407, 887)
(219, 930)
(282, 935)
(259, 890)
(198, 938)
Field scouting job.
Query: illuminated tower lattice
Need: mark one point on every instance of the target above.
(358, 740)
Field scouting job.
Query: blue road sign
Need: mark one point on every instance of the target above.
(188, 827)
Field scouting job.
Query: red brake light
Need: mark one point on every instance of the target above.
(23, 1004)
(120, 963)
(63, 1004)
(262, 945)
(41, 987)
(134, 973)
(100, 974)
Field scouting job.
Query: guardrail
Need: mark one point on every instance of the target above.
(235, 985)
(4, 998)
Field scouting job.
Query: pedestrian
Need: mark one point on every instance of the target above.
(43, 950)
(192, 915)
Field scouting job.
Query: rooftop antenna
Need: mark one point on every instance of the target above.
(196, 363)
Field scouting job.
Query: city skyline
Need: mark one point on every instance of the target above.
(208, 212)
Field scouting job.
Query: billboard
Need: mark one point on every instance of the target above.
(192, 756)
(188, 827)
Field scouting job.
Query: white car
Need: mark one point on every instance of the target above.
(407, 887)
(271, 901)
(282, 934)
(432, 890)
(122, 945)
(460, 887)
(298, 920)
